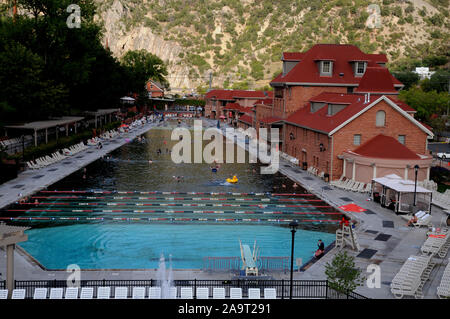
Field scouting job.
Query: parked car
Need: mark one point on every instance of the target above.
(443, 155)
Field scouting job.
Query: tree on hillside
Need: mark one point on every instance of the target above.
(142, 66)
(439, 81)
(342, 273)
(407, 78)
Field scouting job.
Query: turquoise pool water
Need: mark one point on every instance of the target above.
(124, 244)
(139, 246)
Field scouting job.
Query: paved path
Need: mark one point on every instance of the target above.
(389, 255)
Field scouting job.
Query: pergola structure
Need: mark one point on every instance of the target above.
(394, 192)
(102, 113)
(45, 125)
(9, 237)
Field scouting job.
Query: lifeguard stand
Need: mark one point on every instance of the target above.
(346, 236)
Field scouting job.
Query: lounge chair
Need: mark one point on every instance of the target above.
(138, 293)
(270, 293)
(443, 290)
(235, 293)
(56, 293)
(71, 293)
(218, 293)
(18, 294)
(254, 293)
(186, 293)
(40, 293)
(103, 292)
(3, 293)
(121, 293)
(349, 186)
(87, 293)
(202, 293)
(154, 293)
(334, 183)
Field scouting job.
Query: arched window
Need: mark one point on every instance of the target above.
(381, 118)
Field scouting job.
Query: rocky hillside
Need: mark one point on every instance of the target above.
(240, 42)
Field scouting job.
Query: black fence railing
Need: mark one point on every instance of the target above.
(301, 289)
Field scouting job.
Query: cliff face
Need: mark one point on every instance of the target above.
(142, 38)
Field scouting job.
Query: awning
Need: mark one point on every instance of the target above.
(400, 185)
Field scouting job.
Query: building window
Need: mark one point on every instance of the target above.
(402, 139)
(326, 68)
(380, 118)
(360, 68)
(357, 139)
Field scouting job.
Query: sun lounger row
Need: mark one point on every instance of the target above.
(137, 293)
(412, 276)
(75, 149)
(436, 244)
(15, 140)
(45, 161)
(289, 158)
(423, 218)
(352, 185)
(443, 290)
(441, 199)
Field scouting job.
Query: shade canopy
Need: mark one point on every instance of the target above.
(400, 185)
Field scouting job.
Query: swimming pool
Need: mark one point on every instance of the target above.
(114, 221)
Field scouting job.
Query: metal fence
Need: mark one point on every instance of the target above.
(301, 289)
(234, 264)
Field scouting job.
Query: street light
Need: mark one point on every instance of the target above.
(293, 225)
(416, 169)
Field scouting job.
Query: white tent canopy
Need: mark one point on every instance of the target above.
(402, 195)
(127, 98)
(398, 184)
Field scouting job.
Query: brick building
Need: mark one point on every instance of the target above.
(154, 89)
(217, 100)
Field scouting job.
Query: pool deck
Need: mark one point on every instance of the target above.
(390, 254)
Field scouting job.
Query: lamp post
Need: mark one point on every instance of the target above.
(416, 170)
(293, 225)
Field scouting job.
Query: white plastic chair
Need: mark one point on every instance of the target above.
(103, 292)
(40, 293)
(186, 293)
(154, 293)
(254, 293)
(18, 294)
(87, 293)
(270, 293)
(121, 293)
(3, 293)
(138, 293)
(235, 293)
(71, 293)
(218, 293)
(56, 293)
(202, 293)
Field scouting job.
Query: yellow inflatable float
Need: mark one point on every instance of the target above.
(232, 180)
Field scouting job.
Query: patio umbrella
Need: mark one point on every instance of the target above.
(222, 117)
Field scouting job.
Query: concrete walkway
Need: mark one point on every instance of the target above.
(390, 254)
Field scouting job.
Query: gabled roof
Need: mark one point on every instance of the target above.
(382, 146)
(356, 105)
(376, 80)
(246, 119)
(230, 95)
(156, 86)
(307, 72)
(292, 56)
(238, 107)
(271, 120)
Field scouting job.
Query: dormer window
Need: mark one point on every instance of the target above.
(360, 68)
(326, 68)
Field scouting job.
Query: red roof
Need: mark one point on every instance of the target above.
(238, 107)
(271, 119)
(376, 80)
(307, 71)
(292, 56)
(265, 101)
(231, 95)
(246, 119)
(382, 146)
(321, 121)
